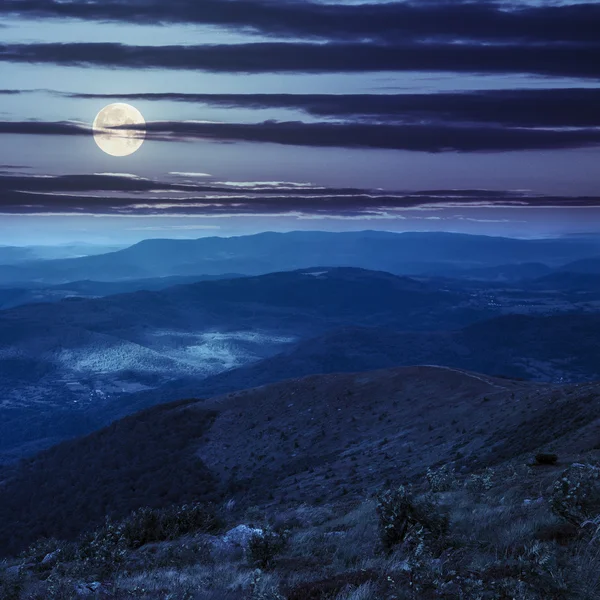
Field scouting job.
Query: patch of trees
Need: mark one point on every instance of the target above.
(143, 460)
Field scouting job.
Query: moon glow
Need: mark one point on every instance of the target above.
(119, 142)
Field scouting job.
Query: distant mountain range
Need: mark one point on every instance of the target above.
(35, 293)
(62, 360)
(561, 348)
(76, 353)
(535, 348)
(319, 439)
(520, 272)
(586, 265)
(73, 365)
(498, 273)
(16, 255)
(567, 281)
(401, 253)
(521, 277)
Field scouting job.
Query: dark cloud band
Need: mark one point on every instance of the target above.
(43, 128)
(422, 138)
(575, 107)
(416, 20)
(570, 60)
(114, 182)
(112, 194)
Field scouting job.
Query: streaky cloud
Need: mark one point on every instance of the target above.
(421, 138)
(551, 107)
(566, 60)
(115, 195)
(484, 20)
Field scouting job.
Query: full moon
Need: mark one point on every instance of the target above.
(119, 142)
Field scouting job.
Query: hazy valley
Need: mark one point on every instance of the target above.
(112, 347)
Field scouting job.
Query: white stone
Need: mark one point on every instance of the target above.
(241, 535)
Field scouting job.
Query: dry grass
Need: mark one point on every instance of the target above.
(495, 542)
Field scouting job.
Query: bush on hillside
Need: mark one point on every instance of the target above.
(102, 552)
(263, 548)
(442, 479)
(576, 495)
(148, 525)
(42, 548)
(400, 513)
(479, 483)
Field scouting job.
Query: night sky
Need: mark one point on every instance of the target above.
(469, 116)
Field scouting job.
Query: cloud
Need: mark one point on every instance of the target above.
(47, 196)
(570, 60)
(75, 183)
(179, 174)
(572, 107)
(387, 21)
(420, 138)
(44, 128)
(175, 228)
(132, 183)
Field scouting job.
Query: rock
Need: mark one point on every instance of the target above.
(404, 565)
(335, 534)
(89, 590)
(532, 501)
(13, 571)
(241, 535)
(82, 590)
(50, 559)
(232, 545)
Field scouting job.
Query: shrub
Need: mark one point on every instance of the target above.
(399, 513)
(102, 552)
(395, 511)
(442, 479)
(576, 495)
(262, 549)
(148, 525)
(40, 549)
(479, 483)
(545, 458)
(142, 527)
(11, 586)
